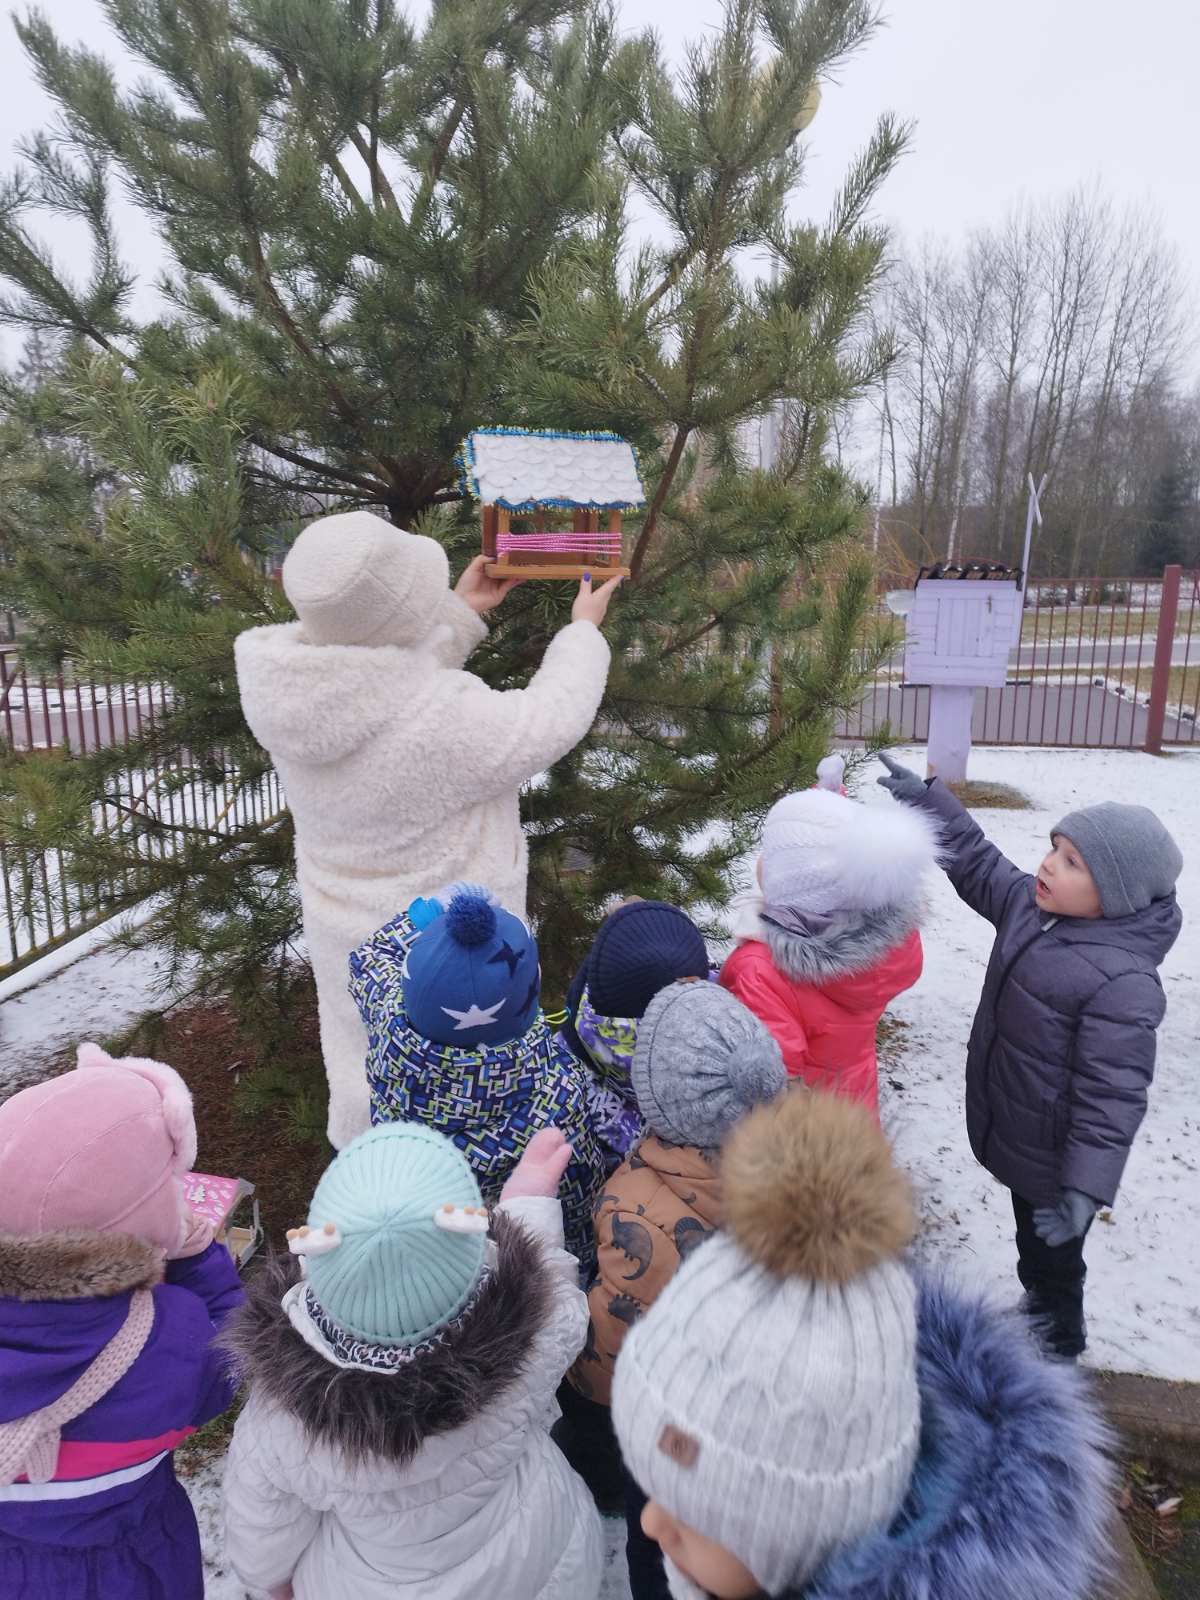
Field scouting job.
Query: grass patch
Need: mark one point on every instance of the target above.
(1168, 1539)
(1183, 684)
(990, 796)
(889, 1034)
(1043, 625)
(209, 1442)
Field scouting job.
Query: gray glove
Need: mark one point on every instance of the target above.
(1068, 1219)
(902, 783)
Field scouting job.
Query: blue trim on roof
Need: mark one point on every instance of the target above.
(468, 477)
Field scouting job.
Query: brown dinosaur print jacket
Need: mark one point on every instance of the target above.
(659, 1204)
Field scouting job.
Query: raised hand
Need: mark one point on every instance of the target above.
(479, 591)
(592, 605)
(541, 1167)
(902, 783)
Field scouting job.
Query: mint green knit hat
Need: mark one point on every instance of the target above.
(396, 1235)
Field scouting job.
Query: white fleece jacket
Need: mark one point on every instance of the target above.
(490, 1511)
(402, 773)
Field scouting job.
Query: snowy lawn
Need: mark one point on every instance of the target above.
(95, 997)
(1143, 1299)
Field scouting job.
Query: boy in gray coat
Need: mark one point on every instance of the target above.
(1062, 1049)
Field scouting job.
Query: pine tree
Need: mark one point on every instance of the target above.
(1164, 540)
(379, 237)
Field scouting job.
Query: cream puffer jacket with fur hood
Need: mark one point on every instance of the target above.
(402, 772)
(438, 1482)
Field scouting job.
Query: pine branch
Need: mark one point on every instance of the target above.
(379, 182)
(320, 469)
(437, 160)
(650, 526)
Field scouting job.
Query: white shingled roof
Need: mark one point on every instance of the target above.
(517, 469)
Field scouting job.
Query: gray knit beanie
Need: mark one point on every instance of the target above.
(701, 1062)
(768, 1399)
(1132, 858)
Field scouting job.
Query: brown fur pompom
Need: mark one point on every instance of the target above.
(810, 1189)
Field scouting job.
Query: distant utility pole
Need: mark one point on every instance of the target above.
(1033, 513)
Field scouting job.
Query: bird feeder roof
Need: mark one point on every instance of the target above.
(524, 469)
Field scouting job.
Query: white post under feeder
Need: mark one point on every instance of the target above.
(959, 632)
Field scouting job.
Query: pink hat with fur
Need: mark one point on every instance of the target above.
(102, 1148)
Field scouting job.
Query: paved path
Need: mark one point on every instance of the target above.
(1037, 713)
(1089, 655)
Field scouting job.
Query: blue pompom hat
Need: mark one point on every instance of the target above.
(396, 1238)
(472, 976)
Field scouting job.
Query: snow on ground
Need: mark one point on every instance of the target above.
(1143, 1293)
(97, 996)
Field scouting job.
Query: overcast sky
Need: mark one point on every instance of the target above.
(1014, 99)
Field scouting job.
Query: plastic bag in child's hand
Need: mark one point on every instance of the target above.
(902, 783)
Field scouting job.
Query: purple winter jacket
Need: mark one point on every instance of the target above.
(113, 1523)
(1062, 1049)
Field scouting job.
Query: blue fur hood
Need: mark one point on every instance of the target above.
(1011, 1495)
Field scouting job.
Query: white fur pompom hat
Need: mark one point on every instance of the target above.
(823, 853)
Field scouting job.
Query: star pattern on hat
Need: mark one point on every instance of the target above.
(533, 992)
(477, 1017)
(508, 954)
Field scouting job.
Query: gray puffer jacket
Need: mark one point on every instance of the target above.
(1062, 1049)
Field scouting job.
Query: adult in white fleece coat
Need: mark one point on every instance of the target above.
(402, 771)
(338, 1482)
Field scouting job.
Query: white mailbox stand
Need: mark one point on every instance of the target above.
(959, 634)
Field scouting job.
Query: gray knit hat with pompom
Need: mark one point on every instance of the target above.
(768, 1399)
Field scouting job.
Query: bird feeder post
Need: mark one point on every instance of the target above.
(950, 709)
(958, 636)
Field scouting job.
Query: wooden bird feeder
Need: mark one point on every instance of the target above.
(959, 632)
(527, 481)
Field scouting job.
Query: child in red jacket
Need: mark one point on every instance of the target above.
(832, 936)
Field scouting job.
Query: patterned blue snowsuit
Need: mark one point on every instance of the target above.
(490, 1100)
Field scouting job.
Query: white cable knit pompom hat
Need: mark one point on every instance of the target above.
(768, 1399)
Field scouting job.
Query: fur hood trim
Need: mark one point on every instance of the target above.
(369, 1415)
(854, 942)
(1012, 1491)
(76, 1264)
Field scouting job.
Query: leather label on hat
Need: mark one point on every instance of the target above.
(683, 1450)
